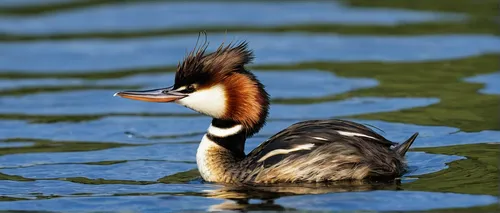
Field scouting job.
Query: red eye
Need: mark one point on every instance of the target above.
(189, 89)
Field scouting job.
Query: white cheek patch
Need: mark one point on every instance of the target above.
(286, 151)
(211, 101)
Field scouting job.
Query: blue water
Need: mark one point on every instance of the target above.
(163, 142)
(377, 200)
(490, 81)
(92, 55)
(315, 84)
(128, 17)
(30, 2)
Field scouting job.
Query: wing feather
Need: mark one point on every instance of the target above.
(303, 137)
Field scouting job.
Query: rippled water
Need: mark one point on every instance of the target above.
(102, 55)
(66, 144)
(175, 14)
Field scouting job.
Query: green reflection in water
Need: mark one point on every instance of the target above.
(7, 198)
(485, 7)
(60, 6)
(42, 145)
(88, 74)
(472, 27)
(82, 118)
(14, 177)
(478, 174)
(97, 181)
(108, 162)
(481, 20)
(181, 177)
(460, 103)
(484, 209)
(50, 118)
(472, 7)
(61, 88)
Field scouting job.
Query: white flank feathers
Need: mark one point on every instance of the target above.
(286, 151)
(355, 134)
(320, 138)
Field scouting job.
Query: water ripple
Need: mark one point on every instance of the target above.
(103, 102)
(135, 170)
(92, 54)
(66, 188)
(490, 80)
(386, 201)
(11, 3)
(113, 128)
(145, 16)
(379, 200)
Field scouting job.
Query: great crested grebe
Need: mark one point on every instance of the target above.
(218, 85)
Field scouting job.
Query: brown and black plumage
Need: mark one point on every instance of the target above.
(217, 84)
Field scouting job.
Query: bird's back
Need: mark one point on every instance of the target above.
(322, 150)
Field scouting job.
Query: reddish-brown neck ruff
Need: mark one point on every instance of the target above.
(247, 102)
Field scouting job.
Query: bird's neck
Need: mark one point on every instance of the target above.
(228, 134)
(220, 150)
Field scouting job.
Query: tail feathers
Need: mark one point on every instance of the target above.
(403, 148)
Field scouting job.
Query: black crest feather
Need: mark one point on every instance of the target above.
(200, 67)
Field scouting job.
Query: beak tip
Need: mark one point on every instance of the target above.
(116, 94)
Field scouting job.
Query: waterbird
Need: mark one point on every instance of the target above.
(219, 85)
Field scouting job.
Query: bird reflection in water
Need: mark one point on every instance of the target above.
(239, 196)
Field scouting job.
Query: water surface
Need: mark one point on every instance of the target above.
(145, 16)
(97, 54)
(66, 144)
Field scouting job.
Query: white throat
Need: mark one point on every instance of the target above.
(203, 159)
(207, 162)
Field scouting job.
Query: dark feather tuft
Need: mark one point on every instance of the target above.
(199, 67)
